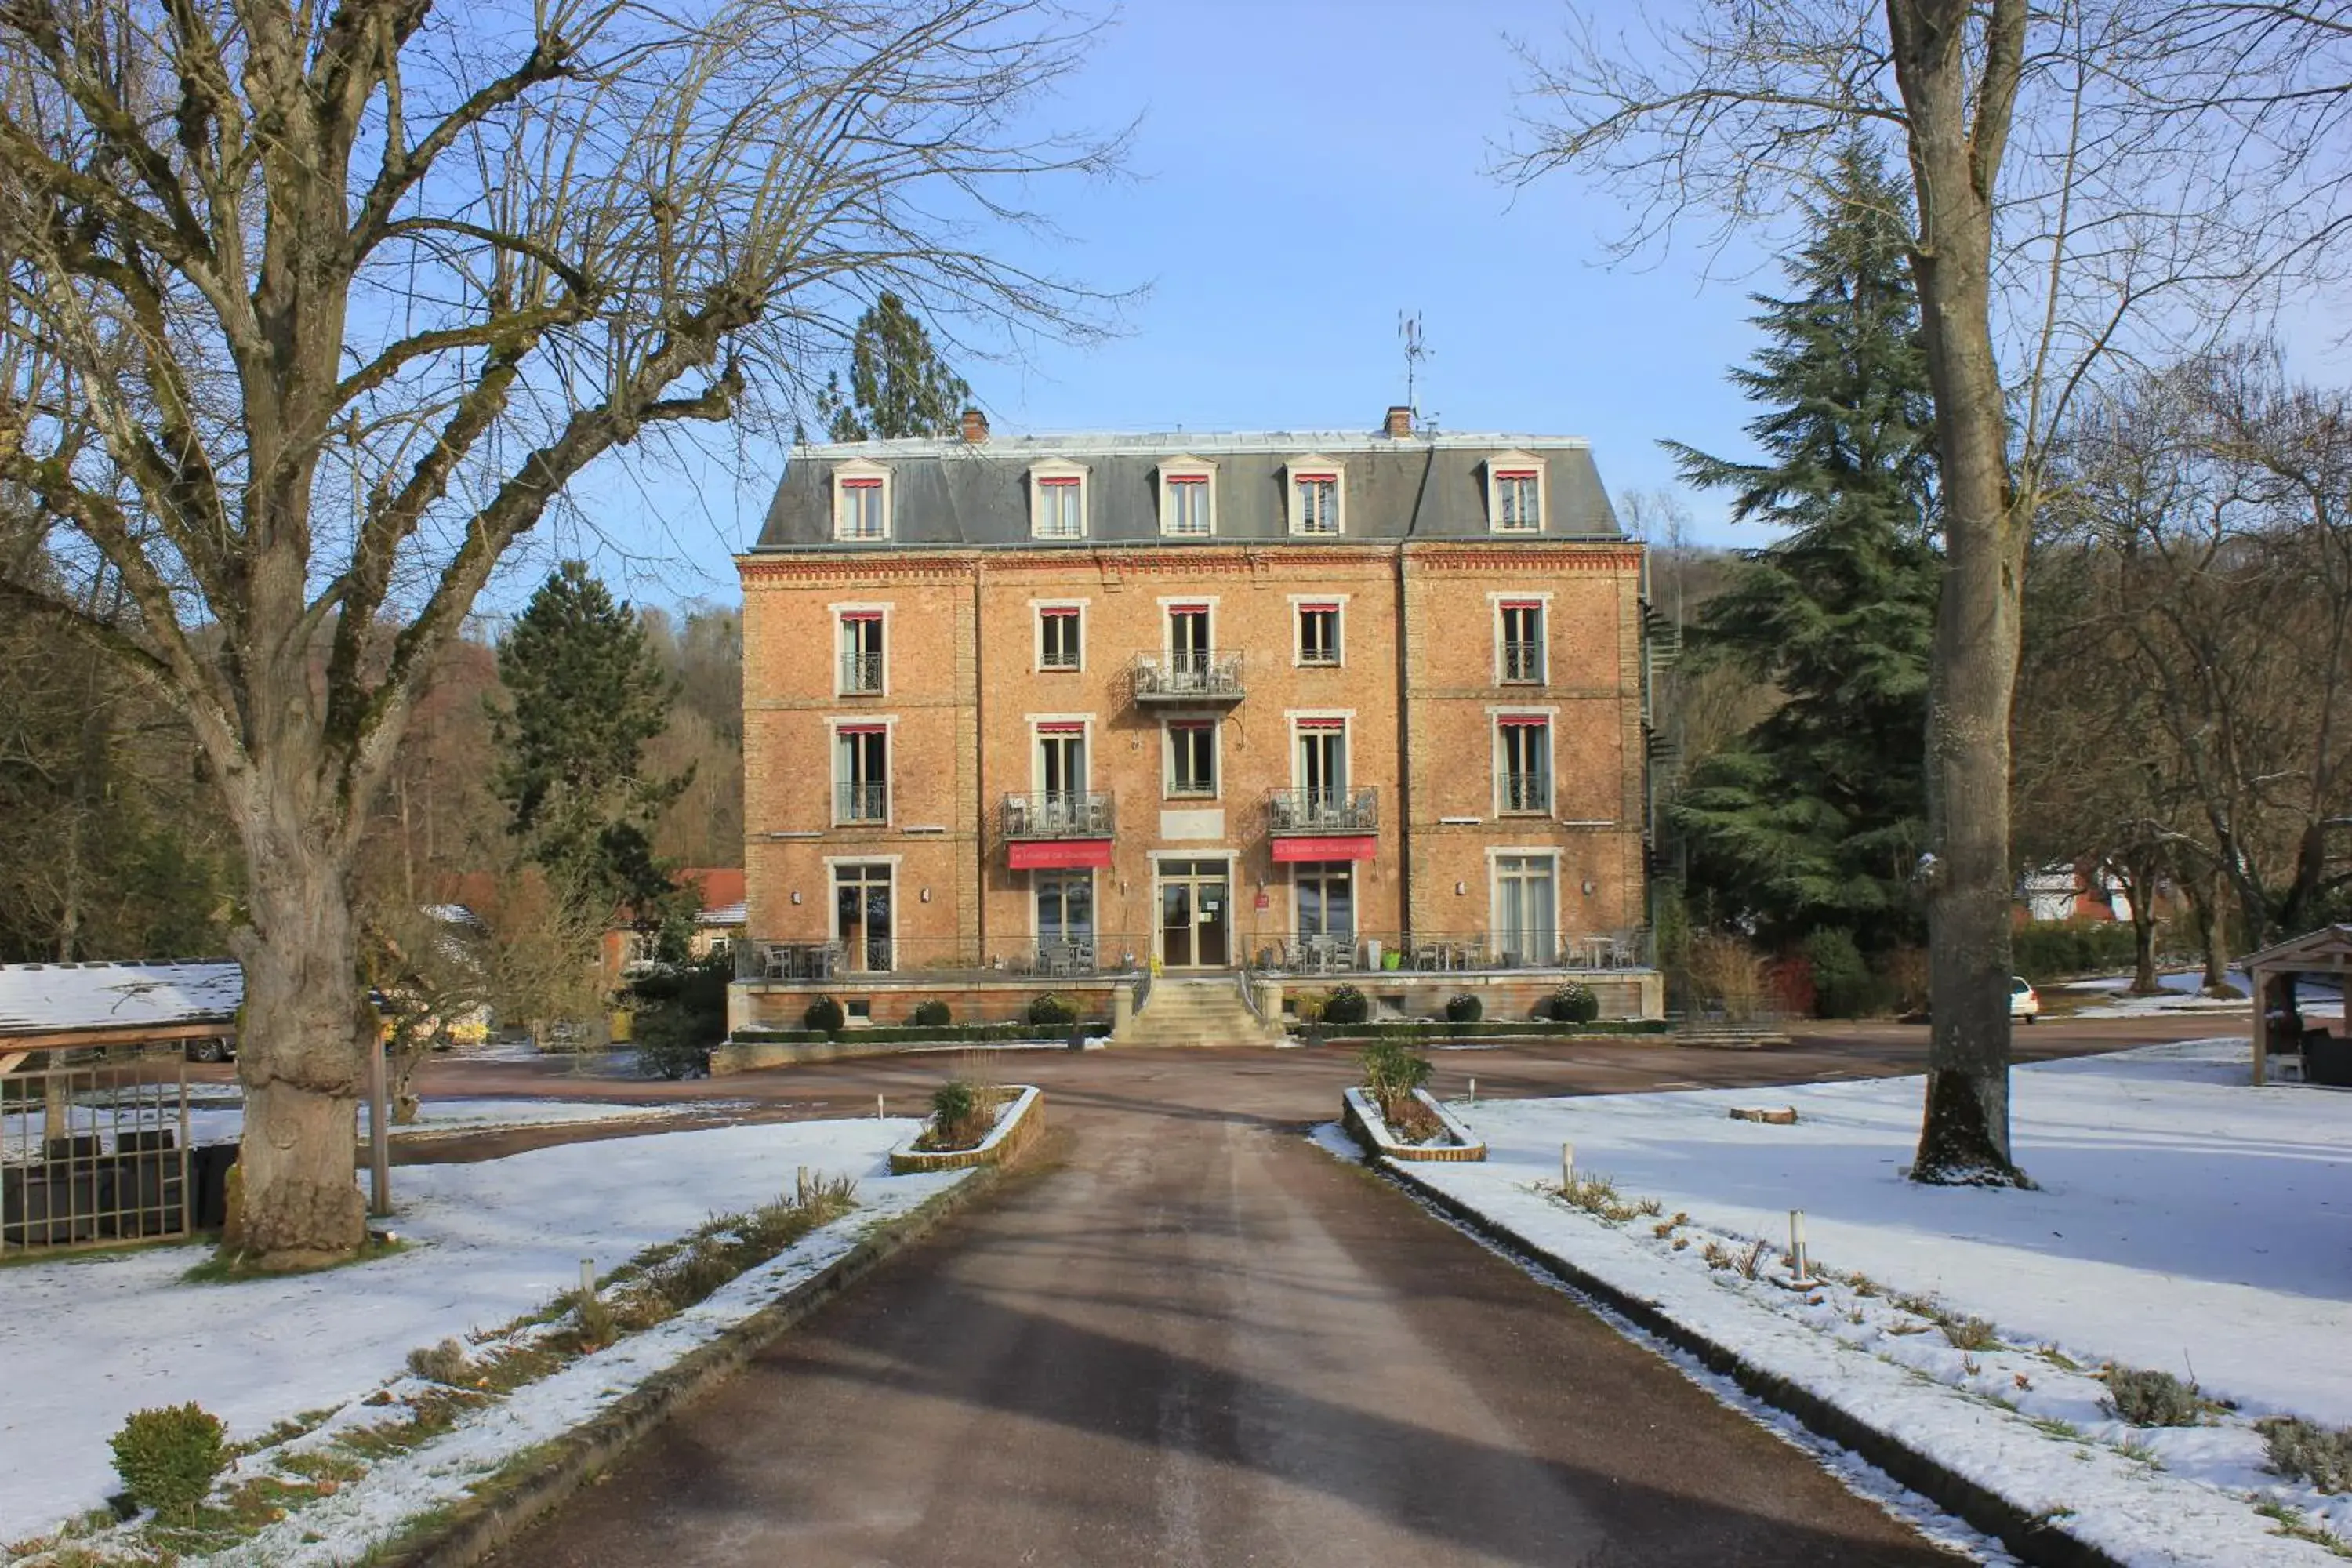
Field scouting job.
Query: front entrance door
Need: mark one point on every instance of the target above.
(862, 916)
(1195, 914)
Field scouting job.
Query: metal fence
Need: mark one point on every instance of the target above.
(1206, 674)
(1058, 814)
(1378, 953)
(1076, 955)
(1323, 810)
(95, 1153)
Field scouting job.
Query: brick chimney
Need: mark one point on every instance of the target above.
(975, 426)
(1400, 423)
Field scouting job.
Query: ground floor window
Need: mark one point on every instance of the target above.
(862, 915)
(1327, 899)
(1066, 906)
(1524, 909)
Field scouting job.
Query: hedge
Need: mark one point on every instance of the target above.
(2053, 950)
(1420, 1028)
(886, 1033)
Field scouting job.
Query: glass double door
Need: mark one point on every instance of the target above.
(1195, 914)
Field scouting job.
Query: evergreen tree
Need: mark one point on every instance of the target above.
(899, 384)
(1814, 819)
(588, 691)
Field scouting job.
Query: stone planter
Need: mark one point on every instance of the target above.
(1018, 1122)
(1361, 1116)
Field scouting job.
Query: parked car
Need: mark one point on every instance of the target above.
(211, 1049)
(2024, 1001)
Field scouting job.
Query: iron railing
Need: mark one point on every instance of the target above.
(95, 1153)
(862, 802)
(1378, 953)
(1205, 676)
(1322, 811)
(1526, 792)
(1057, 813)
(1076, 955)
(1523, 662)
(861, 674)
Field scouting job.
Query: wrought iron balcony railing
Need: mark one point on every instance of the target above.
(1057, 813)
(862, 802)
(1204, 677)
(861, 673)
(1526, 792)
(1523, 662)
(1322, 811)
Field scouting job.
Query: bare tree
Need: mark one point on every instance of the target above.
(386, 278)
(2085, 183)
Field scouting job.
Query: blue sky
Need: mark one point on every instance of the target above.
(1303, 172)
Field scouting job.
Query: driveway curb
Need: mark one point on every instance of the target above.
(2035, 1539)
(555, 1470)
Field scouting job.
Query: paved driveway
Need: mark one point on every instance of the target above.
(1188, 1336)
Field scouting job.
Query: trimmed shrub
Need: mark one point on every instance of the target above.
(1463, 1007)
(826, 1015)
(2303, 1451)
(169, 1457)
(1843, 985)
(1052, 1011)
(2053, 950)
(1346, 1005)
(930, 1015)
(1573, 1002)
(1393, 1070)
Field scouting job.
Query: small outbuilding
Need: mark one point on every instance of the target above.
(2328, 951)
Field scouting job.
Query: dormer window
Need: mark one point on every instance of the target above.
(1058, 501)
(861, 501)
(1188, 498)
(1317, 496)
(1514, 493)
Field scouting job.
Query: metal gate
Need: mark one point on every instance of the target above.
(95, 1153)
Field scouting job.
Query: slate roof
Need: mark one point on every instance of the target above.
(48, 999)
(949, 492)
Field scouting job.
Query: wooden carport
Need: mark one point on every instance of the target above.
(2327, 951)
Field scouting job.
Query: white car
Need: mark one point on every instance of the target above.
(2024, 1001)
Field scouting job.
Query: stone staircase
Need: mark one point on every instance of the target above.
(1195, 1013)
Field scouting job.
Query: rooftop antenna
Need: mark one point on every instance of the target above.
(1416, 349)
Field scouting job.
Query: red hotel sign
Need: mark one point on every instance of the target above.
(1352, 847)
(1066, 855)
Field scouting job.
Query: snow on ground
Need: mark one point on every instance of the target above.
(2186, 1222)
(220, 1118)
(84, 1343)
(2182, 992)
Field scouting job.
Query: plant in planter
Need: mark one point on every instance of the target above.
(1574, 1003)
(1346, 1005)
(1392, 1072)
(1463, 1007)
(962, 1115)
(930, 1015)
(825, 1014)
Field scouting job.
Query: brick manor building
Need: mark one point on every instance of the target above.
(1050, 711)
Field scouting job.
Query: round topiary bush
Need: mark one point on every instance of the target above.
(1346, 1005)
(825, 1014)
(1463, 1008)
(1052, 1011)
(1574, 1003)
(931, 1014)
(169, 1457)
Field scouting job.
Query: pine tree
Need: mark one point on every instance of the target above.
(588, 691)
(1814, 820)
(899, 384)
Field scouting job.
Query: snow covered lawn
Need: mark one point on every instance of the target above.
(83, 1343)
(2186, 1222)
(217, 1115)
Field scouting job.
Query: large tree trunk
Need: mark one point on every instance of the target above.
(301, 1045)
(1958, 122)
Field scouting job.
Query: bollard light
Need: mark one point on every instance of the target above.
(1568, 1167)
(1474, 1092)
(1803, 1276)
(587, 1278)
(877, 1107)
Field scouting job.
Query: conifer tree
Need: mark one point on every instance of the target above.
(1814, 819)
(588, 691)
(899, 384)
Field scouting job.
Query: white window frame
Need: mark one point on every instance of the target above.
(1169, 603)
(1037, 611)
(1295, 721)
(1036, 724)
(834, 725)
(1298, 606)
(1516, 464)
(1550, 718)
(1496, 603)
(1187, 473)
(833, 900)
(1297, 471)
(1495, 854)
(853, 477)
(841, 614)
(1051, 479)
(1168, 728)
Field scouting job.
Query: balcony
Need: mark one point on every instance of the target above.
(1523, 663)
(1057, 813)
(1321, 811)
(861, 674)
(1191, 677)
(861, 802)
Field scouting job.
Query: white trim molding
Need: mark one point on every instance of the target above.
(1516, 485)
(1056, 484)
(1315, 469)
(1197, 476)
(851, 481)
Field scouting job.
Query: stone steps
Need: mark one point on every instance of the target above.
(1195, 1013)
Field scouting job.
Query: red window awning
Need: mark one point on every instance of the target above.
(861, 484)
(1329, 609)
(1188, 609)
(1514, 473)
(1059, 854)
(1058, 609)
(1523, 604)
(1346, 846)
(1062, 727)
(861, 729)
(1522, 721)
(1323, 724)
(861, 615)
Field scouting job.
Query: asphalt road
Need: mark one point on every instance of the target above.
(1186, 1336)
